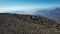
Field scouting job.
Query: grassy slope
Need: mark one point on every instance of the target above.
(22, 24)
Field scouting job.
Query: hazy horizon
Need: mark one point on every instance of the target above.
(8, 5)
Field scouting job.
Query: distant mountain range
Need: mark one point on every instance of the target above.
(48, 13)
(52, 14)
(16, 12)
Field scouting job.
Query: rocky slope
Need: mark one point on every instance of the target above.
(27, 24)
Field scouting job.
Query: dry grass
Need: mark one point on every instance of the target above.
(23, 24)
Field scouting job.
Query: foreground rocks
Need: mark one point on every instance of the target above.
(27, 24)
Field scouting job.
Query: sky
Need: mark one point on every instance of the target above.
(7, 5)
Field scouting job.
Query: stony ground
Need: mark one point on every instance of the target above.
(27, 24)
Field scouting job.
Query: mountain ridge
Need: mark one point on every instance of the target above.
(27, 24)
(51, 14)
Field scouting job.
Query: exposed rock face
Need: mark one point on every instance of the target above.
(27, 24)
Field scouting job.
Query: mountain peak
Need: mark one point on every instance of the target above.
(57, 9)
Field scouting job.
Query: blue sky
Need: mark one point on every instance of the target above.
(25, 4)
(29, 2)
